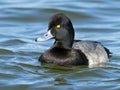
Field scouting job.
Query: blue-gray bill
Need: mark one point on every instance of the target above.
(45, 37)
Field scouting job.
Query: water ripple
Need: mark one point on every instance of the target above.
(21, 21)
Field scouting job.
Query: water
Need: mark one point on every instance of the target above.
(21, 21)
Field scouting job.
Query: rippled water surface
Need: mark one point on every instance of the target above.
(21, 21)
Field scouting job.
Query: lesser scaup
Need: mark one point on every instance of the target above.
(66, 50)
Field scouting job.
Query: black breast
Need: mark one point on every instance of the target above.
(64, 57)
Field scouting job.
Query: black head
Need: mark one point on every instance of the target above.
(62, 29)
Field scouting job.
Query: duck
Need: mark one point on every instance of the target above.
(69, 52)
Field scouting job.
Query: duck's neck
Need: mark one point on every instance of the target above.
(63, 44)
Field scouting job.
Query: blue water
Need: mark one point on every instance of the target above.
(21, 21)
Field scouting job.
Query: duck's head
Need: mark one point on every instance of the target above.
(61, 29)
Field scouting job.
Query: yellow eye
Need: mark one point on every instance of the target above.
(58, 26)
